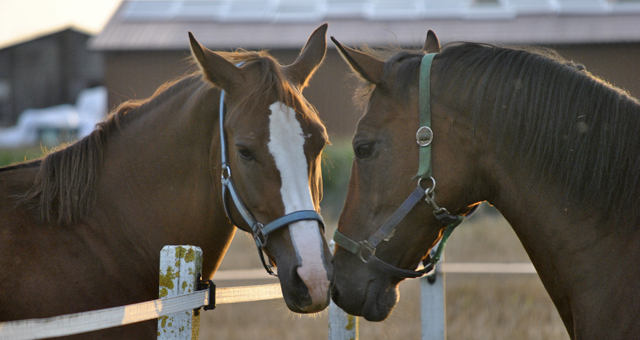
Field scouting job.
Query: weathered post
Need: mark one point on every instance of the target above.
(342, 326)
(179, 269)
(432, 305)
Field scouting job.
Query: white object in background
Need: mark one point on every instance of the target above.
(90, 109)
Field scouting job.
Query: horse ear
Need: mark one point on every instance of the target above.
(368, 67)
(215, 68)
(432, 45)
(309, 59)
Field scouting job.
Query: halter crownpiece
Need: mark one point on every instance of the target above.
(424, 136)
(366, 250)
(260, 232)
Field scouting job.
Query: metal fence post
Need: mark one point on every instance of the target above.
(179, 269)
(432, 305)
(342, 326)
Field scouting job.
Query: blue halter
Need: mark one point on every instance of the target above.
(260, 232)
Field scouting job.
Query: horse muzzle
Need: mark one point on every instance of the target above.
(303, 294)
(362, 290)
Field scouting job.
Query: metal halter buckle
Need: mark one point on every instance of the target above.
(259, 236)
(369, 247)
(424, 136)
(226, 173)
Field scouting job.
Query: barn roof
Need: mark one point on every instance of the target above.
(222, 24)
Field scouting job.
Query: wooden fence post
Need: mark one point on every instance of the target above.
(342, 326)
(432, 305)
(179, 269)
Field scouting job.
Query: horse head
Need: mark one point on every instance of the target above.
(385, 162)
(271, 172)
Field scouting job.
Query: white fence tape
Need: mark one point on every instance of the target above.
(447, 267)
(118, 316)
(100, 319)
(123, 315)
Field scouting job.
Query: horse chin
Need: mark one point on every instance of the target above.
(377, 303)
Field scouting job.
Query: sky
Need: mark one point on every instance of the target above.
(21, 20)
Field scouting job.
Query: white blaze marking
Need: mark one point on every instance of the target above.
(286, 144)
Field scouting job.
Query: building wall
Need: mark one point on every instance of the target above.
(136, 75)
(46, 71)
(618, 64)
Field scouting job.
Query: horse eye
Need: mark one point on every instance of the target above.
(245, 153)
(363, 151)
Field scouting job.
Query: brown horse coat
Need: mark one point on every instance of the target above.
(82, 229)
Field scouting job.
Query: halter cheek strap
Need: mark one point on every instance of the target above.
(366, 249)
(260, 232)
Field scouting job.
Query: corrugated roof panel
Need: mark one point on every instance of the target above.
(445, 9)
(201, 9)
(250, 10)
(140, 25)
(300, 10)
(532, 7)
(345, 8)
(484, 10)
(624, 6)
(582, 6)
(394, 9)
(150, 10)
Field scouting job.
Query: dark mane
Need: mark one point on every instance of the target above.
(569, 127)
(64, 190)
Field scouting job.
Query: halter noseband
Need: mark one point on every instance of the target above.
(366, 250)
(260, 232)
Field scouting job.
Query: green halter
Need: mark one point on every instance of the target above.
(424, 136)
(366, 249)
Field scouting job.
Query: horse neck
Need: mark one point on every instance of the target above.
(157, 177)
(582, 259)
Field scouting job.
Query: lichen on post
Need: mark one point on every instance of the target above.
(179, 269)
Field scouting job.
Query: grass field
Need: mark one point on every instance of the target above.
(11, 156)
(478, 306)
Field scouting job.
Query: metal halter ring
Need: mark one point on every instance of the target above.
(430, 194)
(226, 173)
(369, 247)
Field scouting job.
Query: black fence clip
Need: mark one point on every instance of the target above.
(204, 284)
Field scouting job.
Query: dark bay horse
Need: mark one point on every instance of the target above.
(551, 146)
(82, 229)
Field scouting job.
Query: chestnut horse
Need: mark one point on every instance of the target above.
(82, 229)
(551, 146)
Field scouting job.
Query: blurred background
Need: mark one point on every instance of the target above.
(64, 64)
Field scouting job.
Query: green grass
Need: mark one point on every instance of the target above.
(336, 169)
(12, 156)
(478, 306)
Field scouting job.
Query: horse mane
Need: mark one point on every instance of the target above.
(567, 126)
(64, 190)
(271, 78)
